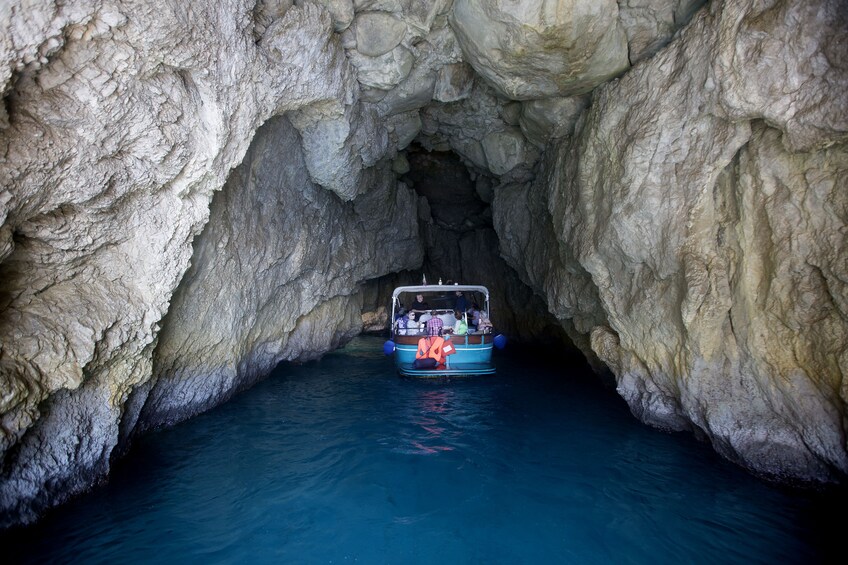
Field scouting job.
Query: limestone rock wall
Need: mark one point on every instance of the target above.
(699, 214)
(525, 231)
(537, 49)
(120, 121)
(676, 195)
(275, 275)
(461, 246)
(542, 48)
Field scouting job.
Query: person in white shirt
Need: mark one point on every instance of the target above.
(474, 312)
(484, 325)
(412, 326)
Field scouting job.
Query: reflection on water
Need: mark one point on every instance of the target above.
(434, 432)
(323, 463)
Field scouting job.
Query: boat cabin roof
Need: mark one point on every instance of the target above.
(440, 296)
(440, 289)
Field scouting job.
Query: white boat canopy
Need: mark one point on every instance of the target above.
(440, 289)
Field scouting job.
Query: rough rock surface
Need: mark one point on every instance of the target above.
(305, 254)
(462, 246)
(476, 130)
(550, 118)
(377, 33)
(684, 222)
(649, 24)
(708, 235)
(123, 121)
(541, 48)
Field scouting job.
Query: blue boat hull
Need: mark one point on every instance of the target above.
(469, 360)
(473, 354)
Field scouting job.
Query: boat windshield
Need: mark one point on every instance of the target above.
(441, 298)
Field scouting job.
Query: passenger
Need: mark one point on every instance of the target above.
(461, 326)
(484, 325)
(434, 326)
(460, 303)
(419, 304)
(474, 314)
(430, 353)
(401, 322)
(412, 326)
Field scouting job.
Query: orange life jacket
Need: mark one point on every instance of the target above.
(431, 347)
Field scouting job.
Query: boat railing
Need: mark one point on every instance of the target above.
(471, 338)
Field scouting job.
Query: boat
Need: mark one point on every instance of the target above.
(469, 354)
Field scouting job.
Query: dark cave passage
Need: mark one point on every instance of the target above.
(455, 202)
(461, 245)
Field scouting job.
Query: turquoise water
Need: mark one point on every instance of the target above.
(342, 461)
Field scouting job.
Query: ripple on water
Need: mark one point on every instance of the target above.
(341, 460)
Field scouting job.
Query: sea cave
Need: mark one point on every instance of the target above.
(194, 193)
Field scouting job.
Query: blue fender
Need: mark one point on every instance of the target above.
(389, 347)
(500, 341)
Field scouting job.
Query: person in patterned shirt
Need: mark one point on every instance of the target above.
(434, 326)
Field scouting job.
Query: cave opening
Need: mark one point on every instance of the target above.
(461, 244)
(619, 174)
(452, 216)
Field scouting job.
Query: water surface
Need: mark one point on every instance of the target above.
(342, 461)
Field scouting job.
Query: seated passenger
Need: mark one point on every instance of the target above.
(460, 327)
(474, 315)
(434, 326)
(430, 353)
(484, 325)
(412, 326)
(447, 321)
(401, 322)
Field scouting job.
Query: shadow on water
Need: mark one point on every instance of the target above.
(343, 460)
